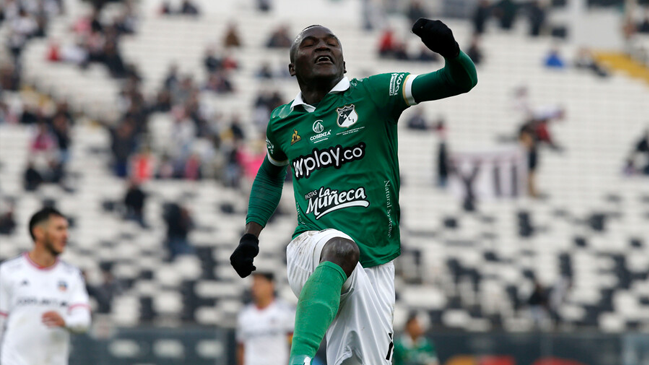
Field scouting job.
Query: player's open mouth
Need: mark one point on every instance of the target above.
(324, 59)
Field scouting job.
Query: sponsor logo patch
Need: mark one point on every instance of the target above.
(336, 156)
(317, 126)
(395, 82)
(270, 146)
(321, 134)
(295, 137)
(325, 200)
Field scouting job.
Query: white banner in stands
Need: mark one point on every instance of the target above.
(500, 172)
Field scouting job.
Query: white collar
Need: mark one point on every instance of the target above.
(341, 86)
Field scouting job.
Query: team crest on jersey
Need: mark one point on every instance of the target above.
(63, 286)
(295, 138)
(347, 116)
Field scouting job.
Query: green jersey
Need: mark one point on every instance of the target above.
(344, 162)
(407, 352)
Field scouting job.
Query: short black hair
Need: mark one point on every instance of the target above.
(265, 274)
(40, 217)
(296, 42)
(412, 316)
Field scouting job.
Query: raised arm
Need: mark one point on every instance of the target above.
(458, 75)
(264, 199)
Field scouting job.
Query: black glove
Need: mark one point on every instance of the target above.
(437, 37)
(241, 258)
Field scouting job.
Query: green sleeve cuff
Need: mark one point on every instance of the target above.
(266, 192)
(458, 76)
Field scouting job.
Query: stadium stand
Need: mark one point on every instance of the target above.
(469, 270)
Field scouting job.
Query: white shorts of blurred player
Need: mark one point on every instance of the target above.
(362, 331)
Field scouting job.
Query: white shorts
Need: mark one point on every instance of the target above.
(362, 331)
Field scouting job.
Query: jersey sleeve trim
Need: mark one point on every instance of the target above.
(407, 90)
(3, 314)
(275, 162)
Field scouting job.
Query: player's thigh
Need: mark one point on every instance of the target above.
(303, 256)
(362, 332)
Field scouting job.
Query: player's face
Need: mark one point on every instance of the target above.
(319, 55)
(414, 329)
(55, 236)
(262, 288)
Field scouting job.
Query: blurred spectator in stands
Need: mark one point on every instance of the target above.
(387, 43)
(279, 38)
(264, 71)
(536, 14)
(265, 326)
(233, 171)
(179, 224)
(127, 21)
(264, 5)
(43, 140)
(641, 148)
(75, 53)
(166, 168)
(474, 52)
(211, 62)
(643, 27)
(31, 115)
(558, 297)
(538, 302)
(505, 11)
(123, 144)
(184, 90)
(95, 23)
(182, 138)
(400, 52)
(163, 102)
(539, 124)
(236, 129)
(554, 59)
(412, 347)
(219, 82)
(586, 61)
(165, 9)
(480, 16)
(32, 178)
(417, 121)
(443, 163)
(106, 291)
(228, 62)
(113, 60)
(189, 8)
(426, 55)
(232, 38)
(61, 129)
(134, 201)
(7, 220)
(171, 79)
(9, 77)
(528, 142)
(416, 11)
(21, 29)
(192, 170)
(142, 165)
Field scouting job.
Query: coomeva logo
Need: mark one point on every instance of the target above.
(336, 156)
(326, 200)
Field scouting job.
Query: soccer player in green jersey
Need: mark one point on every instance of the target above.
(339, 137)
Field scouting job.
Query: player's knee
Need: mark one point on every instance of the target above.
(342, 252)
